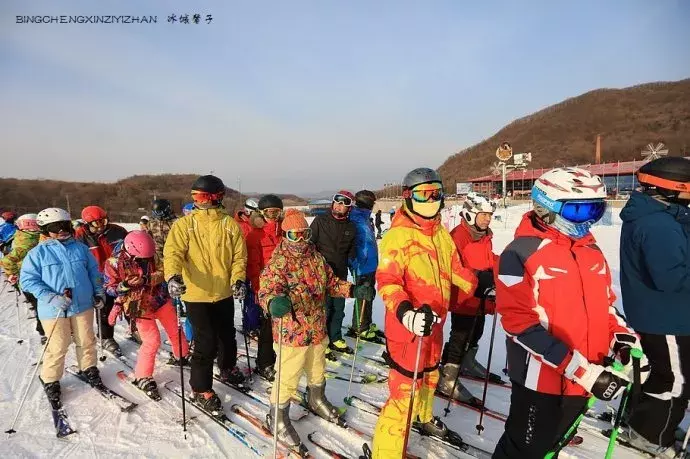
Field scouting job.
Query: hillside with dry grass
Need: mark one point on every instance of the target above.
(565, 133)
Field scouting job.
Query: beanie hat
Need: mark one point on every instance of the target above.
(294, 219)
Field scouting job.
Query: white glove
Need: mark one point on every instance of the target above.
(418, 321)
(60, 301)
(176, 286)
(604, 383)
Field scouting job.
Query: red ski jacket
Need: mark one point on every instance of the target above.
(103, 246)
(477, 255)
(243, 221)
(261, 242)
(554, 296)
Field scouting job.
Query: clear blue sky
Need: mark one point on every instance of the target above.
(298, 96)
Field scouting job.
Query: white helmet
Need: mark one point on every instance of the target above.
(474, 204)
(250, 205)
(27, 222)
(51, 215)
(145, 218)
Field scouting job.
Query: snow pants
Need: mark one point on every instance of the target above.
(151, 338)
(265, 355)
(536, 422)
(251, 312)
(335, 313)
(357, 315)
(664, 398)
(77, 328)
(389, 434)
(106, 331)
(34, 304)
(297, 360)
(460, 332)
(213, 326)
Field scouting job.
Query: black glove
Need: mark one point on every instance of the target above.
(485, 284)
(239, 290)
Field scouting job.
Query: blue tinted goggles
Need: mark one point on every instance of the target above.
(582, 211)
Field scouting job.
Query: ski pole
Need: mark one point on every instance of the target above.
(100, 336)
(408, 425)
(277, 389)
(178, 305)
(630, 393)
(246, 339)
(354, 356)
(571, 430)
(684, 449)
(38, 364)
(19, 330)
(466, 348)
(480, 426)
(505, 367)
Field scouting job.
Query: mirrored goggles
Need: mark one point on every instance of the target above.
(297, 235)
(271, 213)
(342, 199)
(426, 193)
(57, 227)
(202, 197)
(583, 211)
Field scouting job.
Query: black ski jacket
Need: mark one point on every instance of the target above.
(335, 240)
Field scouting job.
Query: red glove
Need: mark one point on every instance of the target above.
(13, 279)
(114, 313)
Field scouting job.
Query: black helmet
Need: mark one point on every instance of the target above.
(419, 176)
(161, 208)
(365, 199)
(209, 184)
(666, 177)
(270, 201)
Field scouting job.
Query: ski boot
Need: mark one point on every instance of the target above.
(232, 376)
(330, 355)
(286, 432)
(472, 368)
(268, 373)
(449, 374)
(372, 335)
(53, 393)
(149, 387)
(208, 401)
(316, 402)
(93, 376)
(110, 345)
(340, 346)
(44, 340)
(436, 428)
(631, 438)
(173, 362)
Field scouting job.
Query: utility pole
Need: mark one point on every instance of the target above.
(69, 211)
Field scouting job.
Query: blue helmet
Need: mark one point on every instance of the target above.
(187, 208)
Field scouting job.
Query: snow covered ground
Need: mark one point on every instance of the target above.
(149, 431)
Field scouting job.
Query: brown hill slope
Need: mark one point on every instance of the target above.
(565, 133)
(121, 199)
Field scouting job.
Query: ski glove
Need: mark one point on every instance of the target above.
(623, 343)
(13, 279)
(176, 286)
(60, 301)
(99, 301)
(122, 287)
(363, 292)
(485, 284)
(604, 383)
(239, 291)
(419, 321)
(280, 306)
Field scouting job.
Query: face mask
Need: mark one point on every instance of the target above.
(574, 230)
(427, 209)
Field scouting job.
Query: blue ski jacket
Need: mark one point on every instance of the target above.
(366, 257)
(655, 266)
(7, 231)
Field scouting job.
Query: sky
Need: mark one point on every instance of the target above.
(304, 96)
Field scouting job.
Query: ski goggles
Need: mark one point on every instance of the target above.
(426, 192)
(582, 211)
(202, 197)
(272, 213)
(342, 199)
(58, 227)
(296, 235)
(100, 223)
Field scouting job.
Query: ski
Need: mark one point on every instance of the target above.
(319, 445)
(124, 404)
(222, 420)
(365, 378)
(504, 384)
(300, 450)
(62, 426)
(120, 357)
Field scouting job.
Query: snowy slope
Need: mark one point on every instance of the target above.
(149, 431)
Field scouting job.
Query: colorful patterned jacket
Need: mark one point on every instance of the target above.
(159, 230)
(135, 301)
(22, 243)
(305, 277)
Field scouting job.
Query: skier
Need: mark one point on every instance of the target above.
(378, 222)
(63, 275)
(242, 216)
(25, 239)
(140, 294)
(655, 283)
(7, 230)
(144, 224)
(159, 226)
(294, 285)
(205, 265)
(418, 264)
(103, 240)
(363, 265)
(261, 242)
(472, 238)
(556, 302)
(334, 237)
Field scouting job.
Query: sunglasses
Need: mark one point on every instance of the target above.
(271, 213)
(342, 199)
(58, 227)
(426, 194)
(297, 235)
(99, 223)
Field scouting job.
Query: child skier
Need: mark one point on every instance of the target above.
(294, 286)
(140, 294)
(418, 264)
(555, 298)
(25, 238)
(63, 275)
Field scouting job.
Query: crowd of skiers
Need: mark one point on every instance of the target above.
(551, 286)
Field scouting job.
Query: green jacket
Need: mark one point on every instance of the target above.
(22, 243)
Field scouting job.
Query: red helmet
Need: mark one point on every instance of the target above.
(9, 216)
(140, 244)
(93, 213)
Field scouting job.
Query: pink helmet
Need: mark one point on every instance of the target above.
(140, 244)
(27, 222)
